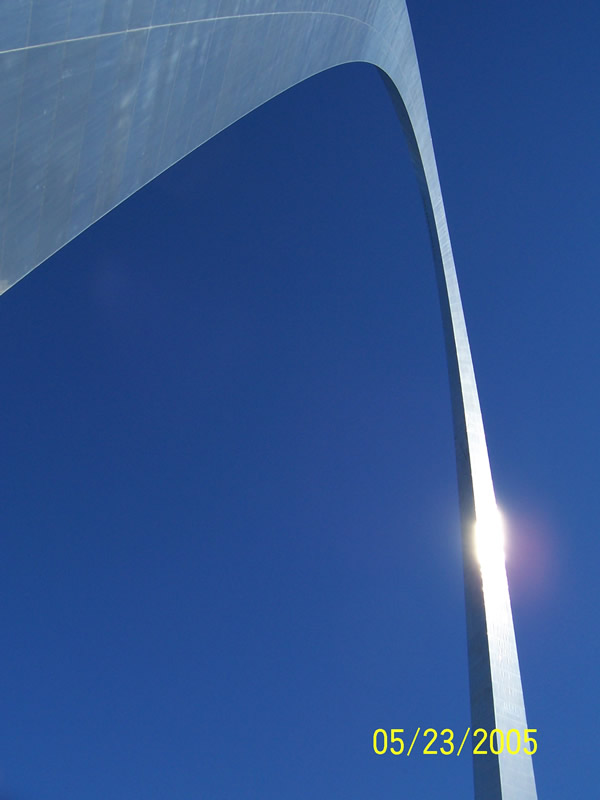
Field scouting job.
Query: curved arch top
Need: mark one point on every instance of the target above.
(98, 97)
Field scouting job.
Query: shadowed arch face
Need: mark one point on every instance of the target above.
(100, 97)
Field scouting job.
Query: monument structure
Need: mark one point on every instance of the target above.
(97, 97)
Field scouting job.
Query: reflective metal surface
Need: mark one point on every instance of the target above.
(97, 97)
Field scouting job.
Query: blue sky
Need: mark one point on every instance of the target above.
(231, 541)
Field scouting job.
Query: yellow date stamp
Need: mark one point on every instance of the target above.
(432, 742)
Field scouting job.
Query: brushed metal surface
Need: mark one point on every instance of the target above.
(97, 97)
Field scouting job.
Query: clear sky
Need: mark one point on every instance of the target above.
(230, 528)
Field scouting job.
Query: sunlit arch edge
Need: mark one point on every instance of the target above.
(98, 97)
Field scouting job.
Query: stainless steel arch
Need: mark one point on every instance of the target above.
(97, 97)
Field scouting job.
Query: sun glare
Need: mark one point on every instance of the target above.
(489, 539)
